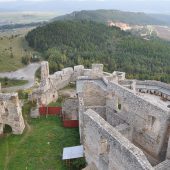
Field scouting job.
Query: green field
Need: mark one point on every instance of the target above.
(12, 47)
(40, 147)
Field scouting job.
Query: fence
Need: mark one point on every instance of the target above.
(50, 110)
(58, 111)
(71, 123)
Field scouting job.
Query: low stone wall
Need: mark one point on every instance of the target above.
(148, 86)
(154, 87)
(107, 148)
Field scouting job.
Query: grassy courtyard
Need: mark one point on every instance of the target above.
(40, 147)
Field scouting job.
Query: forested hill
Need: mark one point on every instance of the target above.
(68, 43)
(102, 16)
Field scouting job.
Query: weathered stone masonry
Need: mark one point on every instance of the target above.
(11, 113)
(123, 124)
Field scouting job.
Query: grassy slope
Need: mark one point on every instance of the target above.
(31, 150)
(18, 44)
(12, 82)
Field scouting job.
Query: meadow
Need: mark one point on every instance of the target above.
(13, 47)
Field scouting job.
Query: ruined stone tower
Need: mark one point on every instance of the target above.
(10, 113)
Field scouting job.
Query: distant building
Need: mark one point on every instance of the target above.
(121, 25)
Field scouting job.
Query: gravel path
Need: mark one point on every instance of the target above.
(26, 73)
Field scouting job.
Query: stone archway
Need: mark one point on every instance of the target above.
(7, 129)
(11, 113)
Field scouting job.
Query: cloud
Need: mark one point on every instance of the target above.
(48, 0)
(8, 0)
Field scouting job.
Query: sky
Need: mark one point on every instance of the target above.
(67, 6)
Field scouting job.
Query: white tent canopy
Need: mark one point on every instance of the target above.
(73, 152)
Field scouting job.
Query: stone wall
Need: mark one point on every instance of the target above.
(149, 121)
(107, 148)
(163, 165)
(44, 70)
(11, 113)
(101, 110)
(70, 109)
(148, 86)
(93, 95)
(116, 110)
(50, 84)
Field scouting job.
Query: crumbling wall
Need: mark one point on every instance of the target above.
(148, 121)
(108, 149)
(10, 113)
(101, 110)
(70, 109)
(163, 165)
(95, 72)
(125, 130)
(44, 70)
(93, 94)
(78, 71)
(168, 149)
(154, 87)
(50, 84)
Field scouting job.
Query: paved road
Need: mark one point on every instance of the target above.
(26, 73)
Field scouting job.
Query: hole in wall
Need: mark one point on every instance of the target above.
(7, 129)
(119, 106)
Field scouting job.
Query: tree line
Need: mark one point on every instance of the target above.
(69, 43)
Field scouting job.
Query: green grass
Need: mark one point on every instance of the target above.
(5, 82)
(58, 103)
(55, 104)
(12, 49)
(70, 86)
(40, 147)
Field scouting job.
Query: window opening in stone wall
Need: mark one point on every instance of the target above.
(151, 120)
(119, 105)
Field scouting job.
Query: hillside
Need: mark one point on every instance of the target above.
(103, 16)
(12, 48)
(67, 43)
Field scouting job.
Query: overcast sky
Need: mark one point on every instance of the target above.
(66, 6)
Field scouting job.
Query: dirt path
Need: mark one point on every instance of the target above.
(26, 73)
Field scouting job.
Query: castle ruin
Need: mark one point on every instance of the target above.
(123, 124)
(11, 113)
